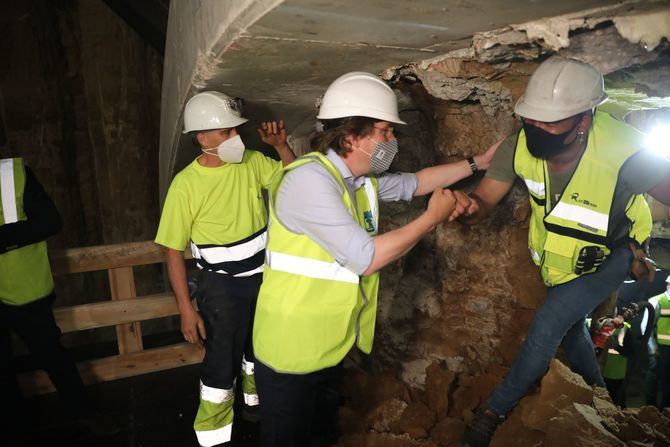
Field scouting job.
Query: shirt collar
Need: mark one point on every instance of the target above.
(343, 169)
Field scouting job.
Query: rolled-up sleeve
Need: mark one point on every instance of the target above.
(397, 186)
(309, 202)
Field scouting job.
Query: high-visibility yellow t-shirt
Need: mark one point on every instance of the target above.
(217, 206)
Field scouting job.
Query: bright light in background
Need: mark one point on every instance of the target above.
(659, 139)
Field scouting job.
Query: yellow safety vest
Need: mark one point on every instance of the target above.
(582, 219)
(25, 273)
(616, 364)
(663, 323)
(310, 309)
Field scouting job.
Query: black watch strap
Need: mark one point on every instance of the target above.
(473, 164)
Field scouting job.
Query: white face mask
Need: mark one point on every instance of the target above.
(229, 151)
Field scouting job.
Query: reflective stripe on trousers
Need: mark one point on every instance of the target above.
(214, 421)
(249, 384)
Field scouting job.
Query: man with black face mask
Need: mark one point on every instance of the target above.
(585, 172)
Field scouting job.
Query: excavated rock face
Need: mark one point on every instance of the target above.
(455, 310)
(465, 295)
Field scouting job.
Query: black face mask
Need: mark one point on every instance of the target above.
(542, 144)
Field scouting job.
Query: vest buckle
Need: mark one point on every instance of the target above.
(590, 257)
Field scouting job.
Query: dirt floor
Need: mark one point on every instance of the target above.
(153, 410)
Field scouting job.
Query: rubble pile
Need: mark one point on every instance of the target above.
(381, 410)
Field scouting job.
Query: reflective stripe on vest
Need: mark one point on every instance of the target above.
(9, 210)
(582, 217)
(536, 188)
(311, 310)
(312, 268)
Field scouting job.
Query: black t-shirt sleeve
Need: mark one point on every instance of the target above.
(42, 218)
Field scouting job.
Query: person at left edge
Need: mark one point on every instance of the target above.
(216, 204)
(28, 217)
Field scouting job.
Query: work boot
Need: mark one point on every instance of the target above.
(99, 424)
(480, 430)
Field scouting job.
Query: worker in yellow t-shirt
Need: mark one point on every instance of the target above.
(215, 203)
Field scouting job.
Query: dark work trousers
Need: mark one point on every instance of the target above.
(614, 387)
(227, 305)
(658, 376)
(299, 409)
(34, 323)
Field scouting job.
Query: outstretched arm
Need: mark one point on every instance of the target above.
(444, 175)
(395, 244)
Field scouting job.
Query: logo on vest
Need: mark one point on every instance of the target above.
(575, 198)
(369, 221)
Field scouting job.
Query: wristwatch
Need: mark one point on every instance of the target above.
(473, 164)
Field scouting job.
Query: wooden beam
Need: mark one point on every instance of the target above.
(119, 367)
(103, 257)
(122, 285)
(111, 313)
(108, 313)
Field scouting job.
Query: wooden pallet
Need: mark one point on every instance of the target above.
(125, 310)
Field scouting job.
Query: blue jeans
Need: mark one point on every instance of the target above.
(561, 319)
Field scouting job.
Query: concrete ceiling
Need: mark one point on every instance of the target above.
(280, 56)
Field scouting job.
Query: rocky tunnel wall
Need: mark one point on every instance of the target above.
(80, 101)
(465, 295)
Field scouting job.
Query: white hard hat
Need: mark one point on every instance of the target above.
(359, 94)
(667, 279)
(561, 88)
(212, 110)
